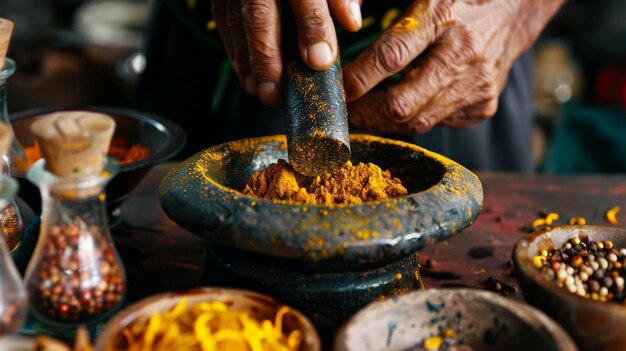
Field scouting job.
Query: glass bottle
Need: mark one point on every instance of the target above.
(75, 275)
(15, 164)
(13, 298)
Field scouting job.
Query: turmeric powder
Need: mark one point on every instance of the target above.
(349, 185)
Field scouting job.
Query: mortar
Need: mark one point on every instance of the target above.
(327, 261)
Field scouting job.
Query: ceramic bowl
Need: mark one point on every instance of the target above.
(592, 324)
(201, 194)
(261, 307)
(161, 136)
(481, 320)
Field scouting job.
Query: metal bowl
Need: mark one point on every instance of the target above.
(480, 319)
(161, 136)
(201, 194)
(260, 306)
(592, 324)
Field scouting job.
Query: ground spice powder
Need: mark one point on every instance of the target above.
(349, 185)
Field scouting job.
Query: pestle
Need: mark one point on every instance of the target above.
(74, 143)
(6, 27)
(317, 118)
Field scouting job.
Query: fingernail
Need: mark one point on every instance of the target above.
(422, 124)
(269, 93)
(320, 55)
(355, 9)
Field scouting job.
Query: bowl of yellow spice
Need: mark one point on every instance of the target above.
(209, 319)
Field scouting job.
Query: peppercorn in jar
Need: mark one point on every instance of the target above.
(75, 275)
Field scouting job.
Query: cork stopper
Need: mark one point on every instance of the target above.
(6, 136)
(74, 143)
(6, 27)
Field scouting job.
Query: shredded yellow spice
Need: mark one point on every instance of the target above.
(207, 326)
(577, 221)
(611, 215)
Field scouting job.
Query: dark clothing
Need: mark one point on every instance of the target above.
(188, 79)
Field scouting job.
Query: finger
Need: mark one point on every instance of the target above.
(471, 87)
(262, 24)
(316, 33)
(406, 97)
(393, 51)
(241, 64)
(218, 8)
(360, 114)
(470, 116)
(347, 13)
(475, 87)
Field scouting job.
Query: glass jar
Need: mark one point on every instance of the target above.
(75, 275)
(13, 298)
(15, 164)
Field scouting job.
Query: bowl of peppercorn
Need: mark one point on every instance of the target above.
(576, 275)
(451, 320)
(141, 140)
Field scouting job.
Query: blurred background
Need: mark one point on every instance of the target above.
(88, 52)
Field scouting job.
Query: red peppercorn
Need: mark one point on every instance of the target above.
(63, 309)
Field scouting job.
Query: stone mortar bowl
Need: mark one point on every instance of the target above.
(201, 194)
(594, 325)
(480, 319)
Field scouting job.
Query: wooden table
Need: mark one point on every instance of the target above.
(160, 256)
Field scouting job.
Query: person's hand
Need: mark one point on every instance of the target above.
(453, 57)
(251, 33)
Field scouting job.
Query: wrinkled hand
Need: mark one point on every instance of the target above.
(453, 57)
(251, 33)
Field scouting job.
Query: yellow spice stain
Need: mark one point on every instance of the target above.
(396, 224)
(319, 134)
(200, 169)
(407, 24)
(398, 276)
(363, 235)
(454, 190)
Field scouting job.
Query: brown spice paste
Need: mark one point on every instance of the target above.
(349, 185)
